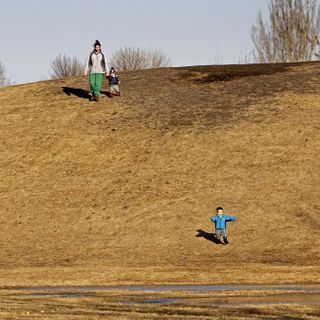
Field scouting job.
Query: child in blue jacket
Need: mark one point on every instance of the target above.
(114, 83)
(220, 220)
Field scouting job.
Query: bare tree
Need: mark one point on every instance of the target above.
(63, 66)
(129, 58)
(247, 57)
(158, 59)
(290, 34)
(4, 81)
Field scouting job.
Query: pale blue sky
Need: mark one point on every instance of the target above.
(34, 32)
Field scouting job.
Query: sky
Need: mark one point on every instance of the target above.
(34, 32)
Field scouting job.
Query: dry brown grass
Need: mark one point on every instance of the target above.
(115, 192)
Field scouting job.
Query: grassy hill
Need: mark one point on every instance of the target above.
(123, 190)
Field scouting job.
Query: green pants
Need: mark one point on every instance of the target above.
(95, 80)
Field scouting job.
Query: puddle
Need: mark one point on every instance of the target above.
(63, 295)
(272, 294)
(151, 301)
(172, 288)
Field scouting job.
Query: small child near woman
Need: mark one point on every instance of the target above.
(114, 83)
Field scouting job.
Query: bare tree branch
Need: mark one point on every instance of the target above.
(291, 33)
(4, 81)
(246, 57)
(63, 66)
(128, 58)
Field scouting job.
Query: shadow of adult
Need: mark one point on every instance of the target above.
(208, 236)
(81, 93)
(107, 93)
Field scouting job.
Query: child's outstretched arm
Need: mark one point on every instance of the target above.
(231, 219)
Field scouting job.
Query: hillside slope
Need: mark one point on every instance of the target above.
(131, 181)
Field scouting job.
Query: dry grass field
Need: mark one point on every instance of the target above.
(122, 191)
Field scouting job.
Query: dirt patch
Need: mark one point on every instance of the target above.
(209, 74)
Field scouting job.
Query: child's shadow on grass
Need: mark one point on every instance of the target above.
(81, 93)
(208, 236)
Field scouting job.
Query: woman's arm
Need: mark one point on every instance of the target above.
(107, 66)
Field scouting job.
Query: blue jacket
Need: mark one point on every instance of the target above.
(113, 81)
(221, 222)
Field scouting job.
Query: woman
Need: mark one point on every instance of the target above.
(96, 67)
